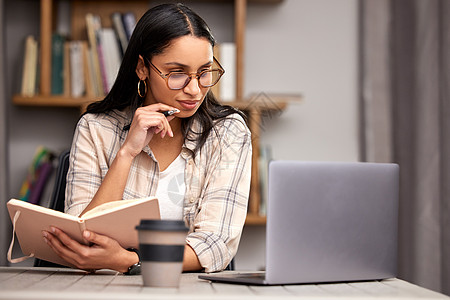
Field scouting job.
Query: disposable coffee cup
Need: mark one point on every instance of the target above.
(161, 249)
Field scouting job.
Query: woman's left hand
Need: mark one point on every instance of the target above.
(104, 253)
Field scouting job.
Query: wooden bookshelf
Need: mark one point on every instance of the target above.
(255, 107)
(254, 219)
(53, 101)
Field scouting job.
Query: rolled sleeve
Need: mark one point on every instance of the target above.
(222, 209)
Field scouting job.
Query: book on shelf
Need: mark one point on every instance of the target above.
(129, 22)
(225, 53)
(63, 17)
(119, 29)
(30, 220)
(111, 57)
(97, 24)
(30, 67)
(96, 86)
(66, 69)
(88, 69)
(57, 80)
(77, 80)
(216, 88)
(92, 27)
(37, 177)
(265, 156)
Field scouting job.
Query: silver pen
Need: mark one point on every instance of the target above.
(170, 112)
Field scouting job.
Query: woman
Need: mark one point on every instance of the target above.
(124, 147)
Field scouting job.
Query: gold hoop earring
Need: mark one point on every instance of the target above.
(142, 95)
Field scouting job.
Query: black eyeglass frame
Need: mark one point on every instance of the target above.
(190, 75)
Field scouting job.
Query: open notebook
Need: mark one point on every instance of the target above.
(116, 219)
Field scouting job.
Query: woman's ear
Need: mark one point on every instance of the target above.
(141, 69)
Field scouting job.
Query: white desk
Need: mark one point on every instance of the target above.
(50, 283)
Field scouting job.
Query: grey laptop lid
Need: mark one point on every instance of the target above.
(329, 222)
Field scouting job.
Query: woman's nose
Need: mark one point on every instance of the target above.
(193, 87)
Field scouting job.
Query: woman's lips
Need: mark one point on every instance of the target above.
(186, 104)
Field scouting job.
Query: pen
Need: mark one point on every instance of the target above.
(170, 112)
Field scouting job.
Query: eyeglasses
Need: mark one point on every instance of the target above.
(179, 80)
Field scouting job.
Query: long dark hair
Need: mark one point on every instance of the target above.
(152, 34)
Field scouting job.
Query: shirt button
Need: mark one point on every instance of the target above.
(192, 200)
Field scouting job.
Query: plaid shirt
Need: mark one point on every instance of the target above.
(217, 179)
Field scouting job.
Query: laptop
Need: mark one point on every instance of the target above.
(327, 222)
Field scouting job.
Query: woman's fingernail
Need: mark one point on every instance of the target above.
(86, 234)
(45, 240)
(53, 229)
(170, 133)
(44, 233)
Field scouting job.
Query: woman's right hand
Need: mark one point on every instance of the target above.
(147, 121)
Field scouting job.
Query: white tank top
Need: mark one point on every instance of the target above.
(171, 190)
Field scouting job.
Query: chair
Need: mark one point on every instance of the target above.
(230, 267)
(59, 190)
(58, 197)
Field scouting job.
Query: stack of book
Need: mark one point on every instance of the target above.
(81, 68)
